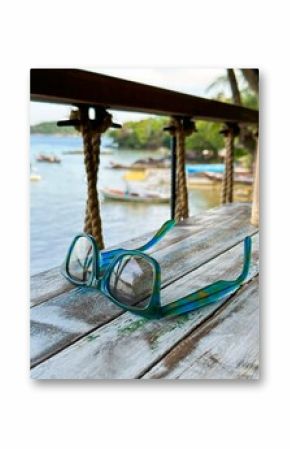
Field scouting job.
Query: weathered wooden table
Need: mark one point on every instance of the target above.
(76, 333)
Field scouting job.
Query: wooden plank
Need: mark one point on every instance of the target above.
(71, 86)
(51, 283)
(224, 347)
(129, 346)
(47, 284)
(62, 320)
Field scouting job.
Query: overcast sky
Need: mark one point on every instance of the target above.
(187, 80)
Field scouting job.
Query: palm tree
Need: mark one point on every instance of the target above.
(249, 79)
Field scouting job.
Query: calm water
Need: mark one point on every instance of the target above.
(58, 200)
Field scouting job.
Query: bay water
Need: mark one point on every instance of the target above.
(58, 201)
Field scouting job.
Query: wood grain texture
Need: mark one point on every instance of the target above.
(51, 283)
(46, 285)
(224, 347)
(128, 346)
(64, 319)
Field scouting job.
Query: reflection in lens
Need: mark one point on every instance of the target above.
(131, 281)
(81, 260)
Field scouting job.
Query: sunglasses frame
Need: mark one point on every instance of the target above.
(103, 259)
(95, 261)
(154, 310)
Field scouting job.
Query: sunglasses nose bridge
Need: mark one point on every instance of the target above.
(96, 283)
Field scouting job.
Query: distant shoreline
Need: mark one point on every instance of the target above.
(51, 129)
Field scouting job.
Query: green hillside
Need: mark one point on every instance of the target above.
(52, 128)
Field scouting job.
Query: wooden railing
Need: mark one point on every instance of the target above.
(71, 86)
(79, 87)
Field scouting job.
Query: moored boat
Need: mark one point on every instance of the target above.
(199, 179)
(142, 164)
(35, 177)
(73, 152)
(238, 178)
(202, 168)
(135, 197)
(50, 158)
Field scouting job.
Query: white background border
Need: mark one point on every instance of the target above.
(144, 34)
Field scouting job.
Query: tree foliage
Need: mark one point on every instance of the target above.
(149, 134)
(144, 134)
(207, 137)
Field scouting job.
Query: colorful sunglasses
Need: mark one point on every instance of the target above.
(131, 279)
(81, 260)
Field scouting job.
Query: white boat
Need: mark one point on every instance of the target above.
(134, 197)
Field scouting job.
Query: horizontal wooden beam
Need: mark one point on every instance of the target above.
(72, 86)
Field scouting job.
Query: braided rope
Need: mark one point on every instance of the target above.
(89, 166)
(181, 128)
(94, 207)
(228, 178)
(92, 140)
(92, 168)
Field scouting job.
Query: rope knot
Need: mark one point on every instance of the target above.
(188, 126)
(185, 125)
(103, 123)
(99, 125)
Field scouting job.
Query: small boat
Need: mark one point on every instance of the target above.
(35, 177)
(134, 197)
(51, 158)
(238, 178)
(202, 168)
(199, 179)
(81, 152)
(135, 175)
(106, 151)
(70, 152)
(142, 164)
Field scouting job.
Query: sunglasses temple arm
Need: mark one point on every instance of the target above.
(247, 260)
(108, 256)
(180, 306)
(212, 293)
(167, 226)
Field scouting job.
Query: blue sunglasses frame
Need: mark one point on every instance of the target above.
(103, 264)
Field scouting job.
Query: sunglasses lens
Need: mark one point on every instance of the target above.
(81, 260)
(131, 281)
